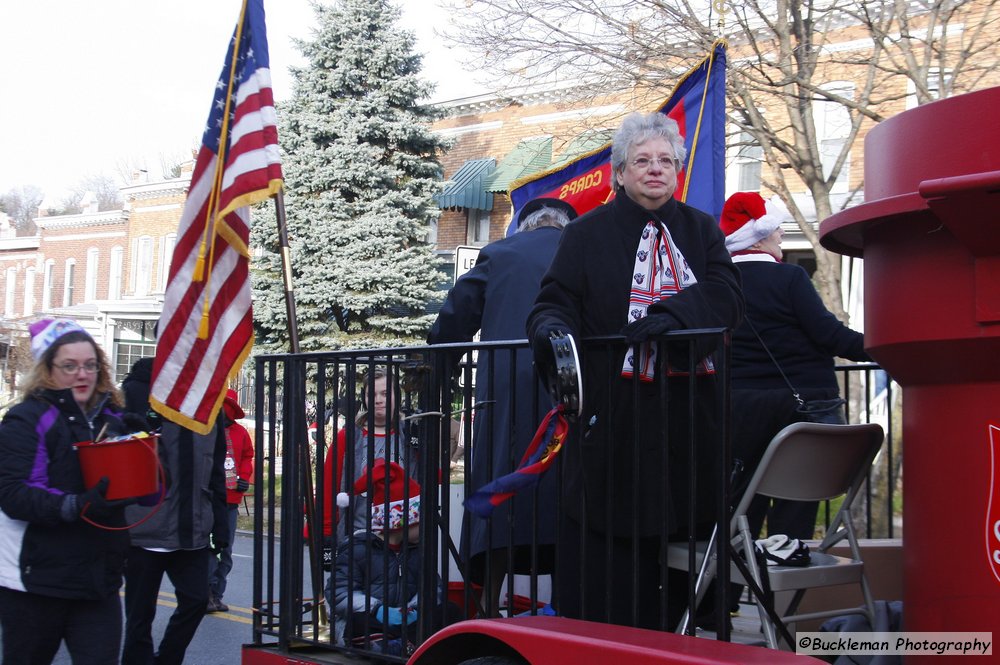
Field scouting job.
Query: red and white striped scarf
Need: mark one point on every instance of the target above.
(660, 271)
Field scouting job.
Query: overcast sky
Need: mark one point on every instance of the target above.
(87, 86)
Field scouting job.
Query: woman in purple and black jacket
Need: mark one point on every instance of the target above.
(59, 574)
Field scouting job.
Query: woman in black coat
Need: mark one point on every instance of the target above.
(59, 573)
(782, 305)
(642, 239)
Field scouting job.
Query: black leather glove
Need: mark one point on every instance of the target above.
(242, 484)
(541, 347)
(92, 503)
(217, 544)
(650, 325)
(328, 553)
(135, 423)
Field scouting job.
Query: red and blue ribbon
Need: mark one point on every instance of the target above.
(537, 459)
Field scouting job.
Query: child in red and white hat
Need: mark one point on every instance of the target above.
(374, 588)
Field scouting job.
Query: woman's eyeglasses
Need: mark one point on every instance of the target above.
(73, 368)
(644, 163)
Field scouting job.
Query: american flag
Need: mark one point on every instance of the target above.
(206, 329)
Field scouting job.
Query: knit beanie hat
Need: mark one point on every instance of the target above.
(45, 332)
(747, 219)
(231, 405)
(389, 480)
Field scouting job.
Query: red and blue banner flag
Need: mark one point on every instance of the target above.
(697, 104)
(536, 460)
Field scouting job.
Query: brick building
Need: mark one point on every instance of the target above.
(107, 270)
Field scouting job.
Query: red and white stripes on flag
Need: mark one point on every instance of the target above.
(206, 328)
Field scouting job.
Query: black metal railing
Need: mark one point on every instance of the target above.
(432, 389)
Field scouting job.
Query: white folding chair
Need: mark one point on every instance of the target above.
(803, 462)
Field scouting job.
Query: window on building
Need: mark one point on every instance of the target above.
(68, 283)
(833, 128)
(47, 277)
(10, 285)
(142, 265)
(748, 160)
(90, 276)
(432, 232)
(166, 254)
(29, 291)
(115, 273)
(129, 352)
(937, 83)
(478, 227)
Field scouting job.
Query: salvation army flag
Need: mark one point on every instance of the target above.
(698, 104)
(536, 460)
(206, 328)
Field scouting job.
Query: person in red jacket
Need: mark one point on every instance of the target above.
(239, 471)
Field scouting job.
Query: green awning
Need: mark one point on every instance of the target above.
(529, 156)
(588, 141)
(466, 188)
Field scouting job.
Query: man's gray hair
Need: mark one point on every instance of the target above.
(638, 128)
(544, 216)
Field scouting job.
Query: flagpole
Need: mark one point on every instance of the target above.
(316, 574)
(286, 269)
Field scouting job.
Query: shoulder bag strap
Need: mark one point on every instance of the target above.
(795, 393)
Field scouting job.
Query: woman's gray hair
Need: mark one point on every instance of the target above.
(638, 128)
(544, 216)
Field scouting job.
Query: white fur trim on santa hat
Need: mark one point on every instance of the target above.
(756, 230)
(343, 500)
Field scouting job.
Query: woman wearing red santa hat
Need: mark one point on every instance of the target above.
(785, 310)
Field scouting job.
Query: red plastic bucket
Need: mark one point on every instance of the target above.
(131, 465)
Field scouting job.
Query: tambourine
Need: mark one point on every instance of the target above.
(565, 382)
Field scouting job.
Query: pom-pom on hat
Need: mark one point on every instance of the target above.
(747, 219)
(231, 405)
(45, 332)
(389, 480)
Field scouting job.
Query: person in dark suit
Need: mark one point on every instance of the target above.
(804, 337)
(495, 298)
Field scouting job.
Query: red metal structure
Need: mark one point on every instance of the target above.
(929, 231)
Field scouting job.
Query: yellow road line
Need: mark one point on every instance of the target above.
(167, 599)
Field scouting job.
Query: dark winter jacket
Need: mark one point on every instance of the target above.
(368, 568)
(496, 297)
(136, 387)
(195, 503)
(800, 332)
(39, 552)
(586, 292)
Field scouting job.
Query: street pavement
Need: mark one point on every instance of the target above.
(221, 634)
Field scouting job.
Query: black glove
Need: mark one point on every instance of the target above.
(541, 347)
(650, 325)
(135, 423)
(92, 503)
(328, 553)
(217, 544)
(242, 484)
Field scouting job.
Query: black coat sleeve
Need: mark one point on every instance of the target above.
(461, 316)
(827, 331)
(217, 482)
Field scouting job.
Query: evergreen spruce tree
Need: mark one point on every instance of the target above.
(361, 169)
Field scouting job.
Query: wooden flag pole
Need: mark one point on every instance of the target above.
(316, 574)
(286, 269)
